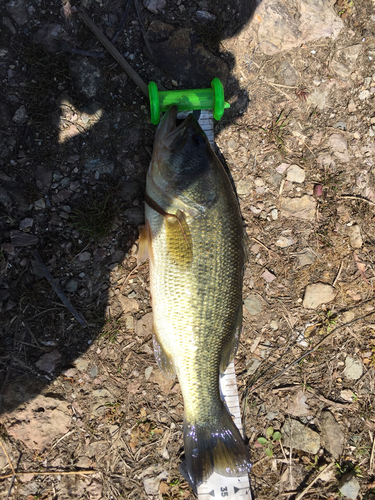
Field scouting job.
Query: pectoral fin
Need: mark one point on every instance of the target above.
(179, 241)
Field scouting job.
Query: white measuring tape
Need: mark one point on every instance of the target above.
(217, 486)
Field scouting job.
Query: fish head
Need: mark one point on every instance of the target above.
(183, 162)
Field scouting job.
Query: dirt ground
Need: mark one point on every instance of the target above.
(86, 413)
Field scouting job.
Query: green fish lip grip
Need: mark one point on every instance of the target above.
(187, 100)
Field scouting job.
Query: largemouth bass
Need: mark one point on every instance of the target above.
(194, 239)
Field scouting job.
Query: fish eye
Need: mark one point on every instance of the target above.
(198, 139)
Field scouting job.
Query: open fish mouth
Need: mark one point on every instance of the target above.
(172, 135)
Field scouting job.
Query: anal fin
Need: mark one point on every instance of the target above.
(163, 360)
(144, 245)
(230, 349)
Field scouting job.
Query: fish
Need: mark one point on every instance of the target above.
(194, 239)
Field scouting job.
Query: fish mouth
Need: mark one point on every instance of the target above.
(169, 134)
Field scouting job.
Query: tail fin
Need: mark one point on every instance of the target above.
(214, 447)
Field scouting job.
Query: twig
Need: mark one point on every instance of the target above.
(114, 52)
(358, 198)
(341, 406)
(281, 92)
(372, 456)
(264, 246)
(310, 351)
(9, 460)
(338, 274)
(122, 21)
(303, 493)
(58, 290)
(47, 473)
(147, 43)
(81, 52)
(284, 86)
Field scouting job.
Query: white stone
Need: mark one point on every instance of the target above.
(353, 368)
(295, 174)
(355, 237)
(317, 294)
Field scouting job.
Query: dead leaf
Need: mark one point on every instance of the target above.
(164, 488)
(361, 267)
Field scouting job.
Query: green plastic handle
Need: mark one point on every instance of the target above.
(187, 100)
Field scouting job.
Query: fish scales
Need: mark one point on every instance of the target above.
(195, 242)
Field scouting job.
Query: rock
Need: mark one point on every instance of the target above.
(318, 98)
(154, 6)
(340, 147)
(135, 215)
(284, 242)
(40, 204)
(252, 366)
(180, 56)
(351, 106)
(130, 190)
(4, 197)
(47, 363)
(317, 294)
(100, 165)
(8, 24)
(83, 463)
(349, 486)
(365, 94)
(301, 208)
(297, 406)
(87, 77)
(81, 364)
(347, 395)
(353, 368)
(344, 60)
(94, 370)
(293, 477)
(84, 256)
(103, 397)
(306, 258)
(96, 449)
(295, 174)
(71, 286)
(332, 435)
(300, 437)
(4, 294)
(128, 305)
(17, 10)
(268, 276)
(143, 327)
(148, 372)
(43, 178)
(26, 223)
(20, 116)
(286, 74)
(244, 186)
(274, 214)
(151, 484)
(282, 167)
(204, 16)
(50, 37)
(20, 239)
(61, 196)
(253, 304)
(42, 421)
(355, 237)
(285, 26)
